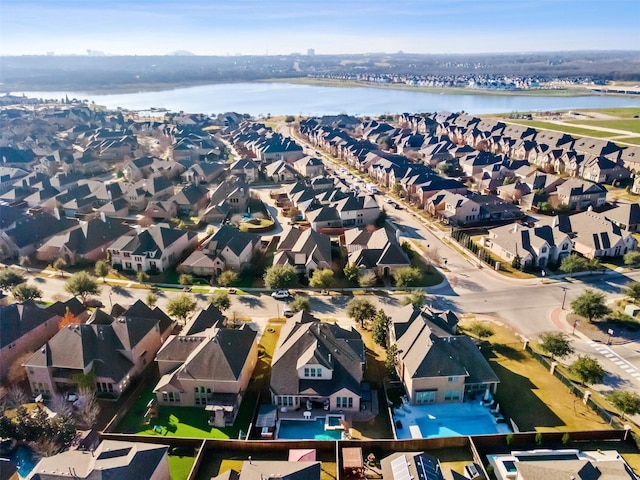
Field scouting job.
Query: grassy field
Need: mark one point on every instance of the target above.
(529, 394)
(629, 125)
(562, 128)
(632, 140)
(180, 466)
(628, 112)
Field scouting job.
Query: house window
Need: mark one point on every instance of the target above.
(127, 265)
(452, 379)
(285, 401)
(201, 395)
(452, 395)
(104, 387)
(312, 372)
(126, 254)
(171, 397)
(543, 250)
(426, 396)
(152, 264)
(344, 402)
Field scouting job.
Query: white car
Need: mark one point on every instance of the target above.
(281, 294)
(287, 312)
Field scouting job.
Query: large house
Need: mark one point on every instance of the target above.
(112, 350)
(274, 470)
(154, 249)
(208, 366)
(317, 362)
(580, 194)
(435, 364)
(376, 251)
(306, 250)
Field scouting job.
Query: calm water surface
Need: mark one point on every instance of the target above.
(284, 98)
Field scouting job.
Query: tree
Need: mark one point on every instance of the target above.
(289, 119)
(25, 262)
(516, 262)
(322, 278)
(10, 277)
(142, 276)
(87, 408)
(151, 299)
(361, 310)
(587, 369)
(351, 272)
(185, 279)
(102, 269)
(300, 303)
(59, 264)
(368, 279)
(24, 292)
(407, 277)
(228, 278)
(68, 319)
(181, 307)
(221, 300)
(575, 263)
(627, 402)
(17, 373)
(631, 258)
(556, 344)
(14, 397)
(397, 188)
(82, 285)
(590, 304)
(417, 298)
(480, 330)
(391, 360)
(382, 218)
(280, 276)
(632, 290)
(380, 328)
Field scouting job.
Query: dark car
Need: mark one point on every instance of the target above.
(93, 303)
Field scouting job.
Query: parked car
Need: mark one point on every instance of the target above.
(287, 312)
(281, 294)
(93, 303)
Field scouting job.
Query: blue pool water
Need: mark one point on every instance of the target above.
(307, 430)
(455, 426)
(333, 421)
(24, 460)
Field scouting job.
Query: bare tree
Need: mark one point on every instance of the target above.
(14, 397)
(60, 405)
(87, 408)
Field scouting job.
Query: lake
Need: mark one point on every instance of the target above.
(260, 99)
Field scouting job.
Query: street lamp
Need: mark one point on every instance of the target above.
(564, 297)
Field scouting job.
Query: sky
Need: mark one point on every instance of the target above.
(258, 27)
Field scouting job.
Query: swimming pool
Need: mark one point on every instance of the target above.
(307, 430)
(455, 426)
(24, 460)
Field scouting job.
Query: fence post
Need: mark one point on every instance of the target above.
(553, 367)
(587, 394)
(526, 344)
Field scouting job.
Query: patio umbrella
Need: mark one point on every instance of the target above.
(487, 395)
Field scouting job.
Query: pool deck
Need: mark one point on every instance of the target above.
(408, 414)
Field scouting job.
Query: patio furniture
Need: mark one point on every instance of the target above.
(306, 415)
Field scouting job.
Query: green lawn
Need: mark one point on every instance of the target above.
(562, 128)
(633, 140)
(629, 125)
(628, 112)
(180, 467)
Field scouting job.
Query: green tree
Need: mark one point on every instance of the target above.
(289, 119)
(361, 310)
(228, 278)
(280, 276)
(82, 285)
(367, 280)
(322, 278)
(300, 303)
(351, 272)
(397, 188)
(102, 269)
(151, 299)
(407, 277)
(25, 262)
(142, 276)
(516, 262)
(24, 292)
(417, 298)
(480, 330)
(382, 218)
(575, 263)
(221, 300)
(59, 264)
(556, 344)
(631, 258)
(185, 279)
(587, 369)
(590, 305)
(627, 402)
(632, 290)
(391, 360)
(10, 277)
(181, 307)
(380, 328)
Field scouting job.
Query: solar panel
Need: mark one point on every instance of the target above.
(400, 468)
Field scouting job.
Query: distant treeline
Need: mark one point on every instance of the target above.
(114, 72)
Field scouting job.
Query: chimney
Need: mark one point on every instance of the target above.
(515, 228)
(555, 222)
(103, 217)
(56, 213)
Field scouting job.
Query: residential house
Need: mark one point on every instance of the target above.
(191, 199)
(202, 173)
(309, 167)
(280, 171)
(602, 170)
(306, 250)
(317, 362)
(118, 208)
(274, 470)
(142, 167)
(228, 198)
(245, 169)
(111, 459)
(534, 246)
(358, 210)
(625, 215)
(86, 243)
(25, 327)
(411, 465)
(227, 249)
(376, 251)
(580, 194)
(594, 236)
(113, 349)
(209, 369)
(453, 208)
(30, 232)
(161, 210)
(435, 364)
(152, 250)
(433, 185)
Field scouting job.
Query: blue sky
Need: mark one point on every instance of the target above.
(217, 27)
